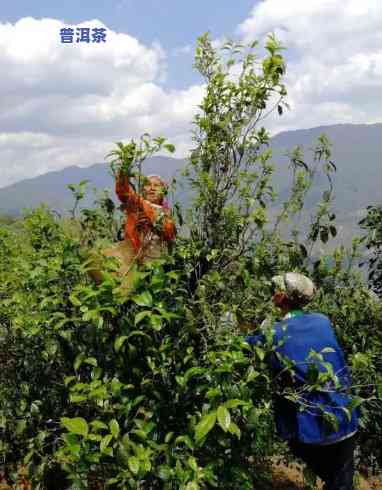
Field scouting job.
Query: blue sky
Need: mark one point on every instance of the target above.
(65, 105)
(172, 23)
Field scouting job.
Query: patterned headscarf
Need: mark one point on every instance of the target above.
(298, 288)
(165, 204)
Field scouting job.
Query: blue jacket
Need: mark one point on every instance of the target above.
(294, 338)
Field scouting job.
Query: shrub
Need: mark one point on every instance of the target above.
(156, 388)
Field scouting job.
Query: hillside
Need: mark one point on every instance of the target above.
(356, 152)
(51, 188)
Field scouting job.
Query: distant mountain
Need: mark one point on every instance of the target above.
(51, 188)
(357, 152)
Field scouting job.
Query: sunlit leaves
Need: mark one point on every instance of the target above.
(76, 425)
(119, 341)
(156, 386)
(223, 417)
(143, 299)
(205, 425)
(133, 463)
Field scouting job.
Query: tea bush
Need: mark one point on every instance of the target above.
(156, 388)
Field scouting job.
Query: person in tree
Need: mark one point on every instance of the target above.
(326, 448)
(149, 226)
(148, 229)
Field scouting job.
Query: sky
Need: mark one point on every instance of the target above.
(65, 104)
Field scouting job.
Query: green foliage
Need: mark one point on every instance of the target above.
(156, 388)
(372, 224)
(230, 166)
(127, 158)
(6, 219)
(78, 192)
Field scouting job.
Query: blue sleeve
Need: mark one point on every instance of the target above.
(255, 339)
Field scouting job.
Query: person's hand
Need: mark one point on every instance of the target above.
(245, 327)
(143, 221)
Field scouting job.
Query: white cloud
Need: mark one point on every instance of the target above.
(65, 104)
(334, 58)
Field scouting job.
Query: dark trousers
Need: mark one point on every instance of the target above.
(333, 463)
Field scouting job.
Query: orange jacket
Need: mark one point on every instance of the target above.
(137, 208)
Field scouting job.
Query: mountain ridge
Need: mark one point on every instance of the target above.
(356, 150)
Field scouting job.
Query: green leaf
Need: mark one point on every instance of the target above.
(156, 322)
(205, 425)
(187, 441)
(77, 425)
(168, 437)
(77, 398)
(169, 147)
(260, 353)
(148, 427)
(332, 420)
(347, 413)
(234, 429)
(140, 316)
(361, 361)
(224, 417)
(194, 371)
(97, 424)
(143, 299)
(78, 361)
(95, 437)
(119, 341)
(112, 481)
(192, 463)
(91, 360)
(115, 386)
(234, 403)
(164, 472)
(74, 300)
(140, 433)
(105, 443)
(114, 427)
(252, 376)
(28, 457)
(139, 333)
(133, 464)
(192, 485)
(21, 426)
(355, 402)
(69, 379)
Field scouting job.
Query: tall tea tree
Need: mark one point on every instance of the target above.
(230, 167)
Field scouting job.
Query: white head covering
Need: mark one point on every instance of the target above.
(152, 176)
(298, 288)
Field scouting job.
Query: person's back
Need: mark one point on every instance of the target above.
(299, 336)
(315, 418)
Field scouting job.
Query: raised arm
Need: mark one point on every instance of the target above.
(134, 201)
(125, 191)
(147, 212)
